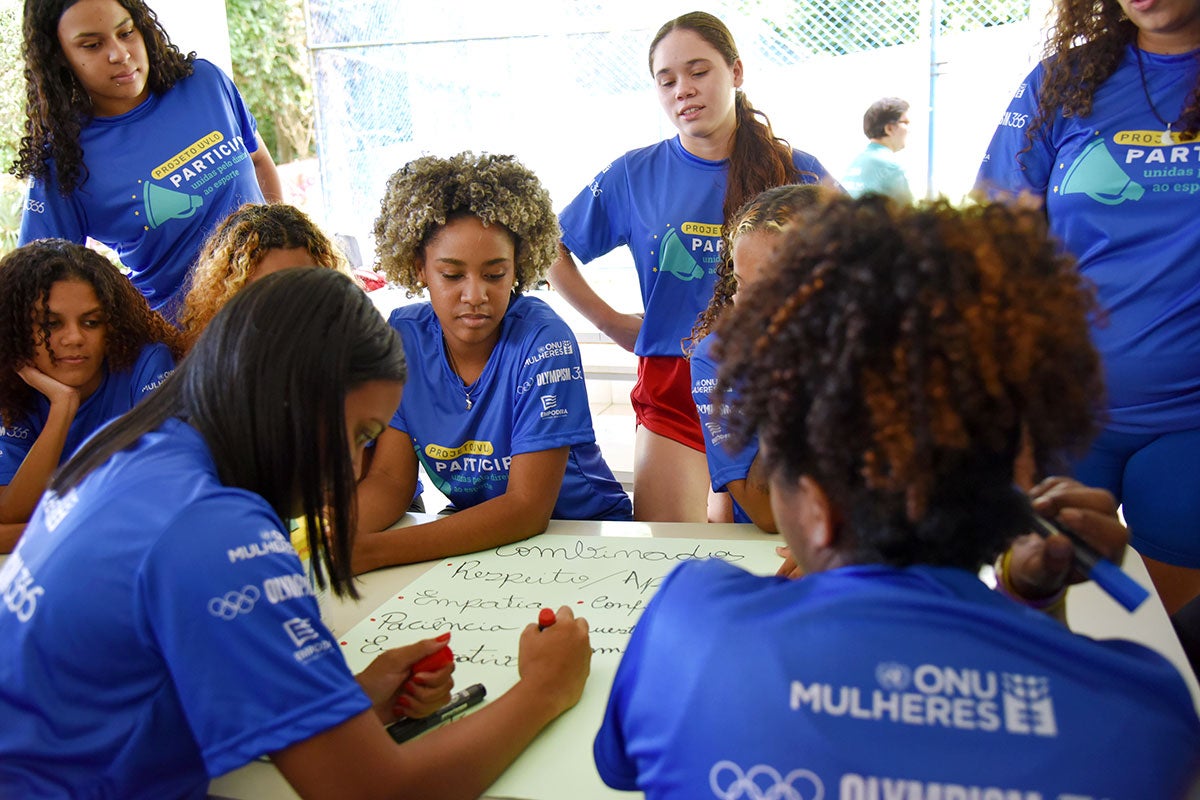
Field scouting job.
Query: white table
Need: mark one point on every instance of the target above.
(1089, 611)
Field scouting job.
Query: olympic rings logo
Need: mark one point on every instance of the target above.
(749, 784)
(233, 603)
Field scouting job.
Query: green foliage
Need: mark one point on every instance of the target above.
(270, 68)
(12, 109)
(12, 81)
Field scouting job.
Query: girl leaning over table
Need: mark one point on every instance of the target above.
(495, 409)
(157, 638)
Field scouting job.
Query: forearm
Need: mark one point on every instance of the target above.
(567, 280)
(465, 757)
(266, 173)
(20, 497)
(10, 533)
(382, 500)
(754, 496)
(501, 520)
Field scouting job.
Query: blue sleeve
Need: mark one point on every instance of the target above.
(724, 465)
(808, 165)
(152, 368)
(597, 220)
(551, 407)
(15, 441)
(1006, 170)
(47, 214)
(241, 112)
(227, 604)
(630, 727)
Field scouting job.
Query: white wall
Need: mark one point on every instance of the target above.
(198, 25)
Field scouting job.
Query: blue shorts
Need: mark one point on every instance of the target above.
(1156, 478)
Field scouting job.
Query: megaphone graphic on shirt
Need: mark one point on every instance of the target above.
(676, 260)
(164, 204)
(1097, 174)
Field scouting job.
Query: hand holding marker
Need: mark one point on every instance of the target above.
(1104, 573)
(430, 663)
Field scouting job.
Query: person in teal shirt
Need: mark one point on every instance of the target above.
(876, 169)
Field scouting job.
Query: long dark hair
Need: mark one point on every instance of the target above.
(26, 276)
(57, 107)
(760, 159)
(265, 385)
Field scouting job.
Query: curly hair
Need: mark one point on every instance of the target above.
(234, 250)
(57, 108)
(426, 193)
(760, 159)
(1083, 49)
(881, 113)
(771, 211)
(26, 276)
(898, 356)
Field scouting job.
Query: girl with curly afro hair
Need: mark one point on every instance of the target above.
(1104, 135)
(495, 409)
(894, 361)
(737, 478)
(130, 142)
(251, 243)
(78, 347)
(671, 204)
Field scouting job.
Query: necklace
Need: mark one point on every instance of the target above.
(454, 366)
(1167, 138)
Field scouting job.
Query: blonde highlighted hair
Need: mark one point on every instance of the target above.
(235, 249)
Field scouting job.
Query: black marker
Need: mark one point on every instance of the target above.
(406, 729)
(1107, 575)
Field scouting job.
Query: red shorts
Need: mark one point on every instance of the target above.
(662, 400)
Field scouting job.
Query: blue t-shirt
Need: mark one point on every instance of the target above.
(160, 178)
(156, 638)
(666, 205)
(530, 397)
(874, 682)
(724, 465)
(1125, 204)
(876, 170)
(118, 392)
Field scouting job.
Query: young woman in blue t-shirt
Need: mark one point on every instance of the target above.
(495, 409)
(130, 142)
(159, 629)
(670, 203)
(895, 363)
(756, 232)
(78, 347)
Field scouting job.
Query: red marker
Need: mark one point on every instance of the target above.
(433, 661)
(430, 663)
(546, 618)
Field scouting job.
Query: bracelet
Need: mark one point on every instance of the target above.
(1051, 605)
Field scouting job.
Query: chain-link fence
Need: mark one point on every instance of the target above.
(565, 85)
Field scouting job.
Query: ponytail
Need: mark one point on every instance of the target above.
(760, 160)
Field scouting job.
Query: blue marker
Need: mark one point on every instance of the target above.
(1107, 575)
